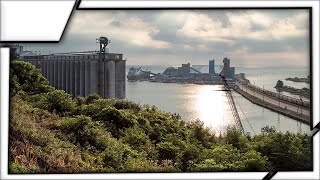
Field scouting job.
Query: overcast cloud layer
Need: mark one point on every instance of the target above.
(171, 37)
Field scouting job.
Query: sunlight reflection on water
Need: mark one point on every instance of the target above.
(213, 108)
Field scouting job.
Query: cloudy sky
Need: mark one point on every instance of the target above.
(171, 37)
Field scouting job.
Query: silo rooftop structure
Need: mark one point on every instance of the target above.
(84, 73)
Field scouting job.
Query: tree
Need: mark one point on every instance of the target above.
(26, 77)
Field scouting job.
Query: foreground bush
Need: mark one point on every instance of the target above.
(42, 141)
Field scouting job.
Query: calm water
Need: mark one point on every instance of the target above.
(207, 103)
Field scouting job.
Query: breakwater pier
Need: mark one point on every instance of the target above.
(294, 108)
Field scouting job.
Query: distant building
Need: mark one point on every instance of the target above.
(17, 48)
(136, 74)
(20, 53)
(185, 69)
(226, 67)
(232, 72)
(171, 71)
(26, 54)
(211, 67)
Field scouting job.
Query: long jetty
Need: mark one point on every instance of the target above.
(291, 107)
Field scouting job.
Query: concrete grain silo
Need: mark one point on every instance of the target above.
(120, 79)
(110, 76)
(84, 73)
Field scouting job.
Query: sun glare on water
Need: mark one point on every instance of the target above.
(213, 108)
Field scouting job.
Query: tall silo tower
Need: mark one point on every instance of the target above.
(226, 67)
(211, 67)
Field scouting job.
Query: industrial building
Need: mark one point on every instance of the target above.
(84, 73)
(227, 71)
(211, 67)
(187, 74)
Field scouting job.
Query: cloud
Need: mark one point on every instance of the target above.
(119, 26)
(176, 36)
(244, 24)
(204, 28)
(115, 23)
(241, 57)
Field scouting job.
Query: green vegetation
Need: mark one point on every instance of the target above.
(52, 133)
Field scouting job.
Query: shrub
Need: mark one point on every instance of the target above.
(268, 130)
(95, 107)
(201, 134)
(15, 168)
(191, 154)
(139, 141)
(284, 151)
(168, 151)
(60, 102)
(75, 125)
(115, 119)
(146, 166)
(253, 161)
(80, 100)
(94, 134)
(92, 98)
(123, 104)
(228, 158)
(24, 76)
(116, 154)
(13, 84)
(135, 137)
(237, 139)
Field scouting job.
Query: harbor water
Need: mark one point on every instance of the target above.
(210, 105)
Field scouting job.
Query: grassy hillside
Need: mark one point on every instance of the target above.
(52, 133)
